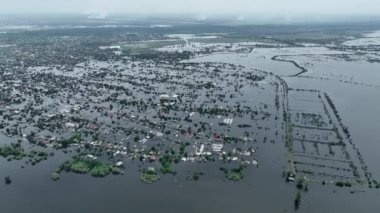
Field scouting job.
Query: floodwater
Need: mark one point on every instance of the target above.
(33, 189)
(354, 88)
(262, 190)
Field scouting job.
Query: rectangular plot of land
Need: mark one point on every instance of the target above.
(325, 150)
(311, 119)
(308, 134)
(298, 147)
(306, 106)
(338, 153)
(304, 95)
(310, 148)
(305, 102)
(320, 169)
(324, 175)
(310, 159)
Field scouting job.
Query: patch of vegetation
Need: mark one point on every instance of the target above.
(244, 125)
(182, 149)
(93, 167)
(194, 176)
(166, 162)
(149, 176)
(73, 139)
(8, 180)
(377, 184)
(116, 171)
(14, 149)
(235, 174)
(80, 167)
(100, 170)
(311, 119)
(342, 184)
(55, 176)
(297, 200)
(37, 156)
(300, 184)
(253, 77)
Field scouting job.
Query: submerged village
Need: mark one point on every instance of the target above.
(105, 113)
(148, 99)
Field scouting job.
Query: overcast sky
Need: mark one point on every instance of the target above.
(199, 7)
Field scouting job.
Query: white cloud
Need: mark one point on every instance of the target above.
(240, 18)
(205, 7)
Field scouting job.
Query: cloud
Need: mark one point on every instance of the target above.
(244, 8)
(240, 18)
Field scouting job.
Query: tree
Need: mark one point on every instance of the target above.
(297, 200)
(300, 184)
